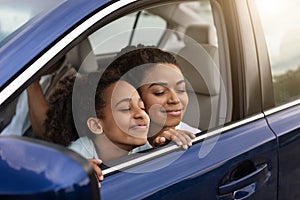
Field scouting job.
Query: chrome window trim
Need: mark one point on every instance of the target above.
(30, 71)
(154, 154)
(282, 107)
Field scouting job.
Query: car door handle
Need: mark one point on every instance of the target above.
(260, 174)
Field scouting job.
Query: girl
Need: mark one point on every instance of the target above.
(111, 121)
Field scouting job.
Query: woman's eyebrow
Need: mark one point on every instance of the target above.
(125, 100)
(180, 82)
(158, 83)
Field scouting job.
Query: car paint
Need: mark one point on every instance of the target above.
(188, 177)
(284, 121)
(26, 173)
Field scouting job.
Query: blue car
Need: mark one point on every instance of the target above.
(241, 62)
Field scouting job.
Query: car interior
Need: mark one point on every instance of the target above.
(186, 29)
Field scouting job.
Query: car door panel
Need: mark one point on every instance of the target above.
(286, 125)
(191, 177)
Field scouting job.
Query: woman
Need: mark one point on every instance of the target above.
(162, 88)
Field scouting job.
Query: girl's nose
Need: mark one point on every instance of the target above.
(139, 113)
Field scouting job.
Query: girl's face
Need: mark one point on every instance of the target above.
(164, 94)
(125, 121)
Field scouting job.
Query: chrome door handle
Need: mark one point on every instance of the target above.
(248, 182)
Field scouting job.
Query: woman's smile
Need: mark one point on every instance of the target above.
(173, 112)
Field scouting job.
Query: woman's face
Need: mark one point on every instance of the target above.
(125, 121)
(164, 94)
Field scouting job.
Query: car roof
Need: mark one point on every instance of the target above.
(36, 37)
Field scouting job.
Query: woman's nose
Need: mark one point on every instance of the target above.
(173, 98)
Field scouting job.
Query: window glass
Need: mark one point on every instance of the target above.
(15, 14)
(123, 32)
(145, 24)
(198, 12)
(114, 36)
(282, 33)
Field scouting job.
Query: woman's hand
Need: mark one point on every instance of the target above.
(98, 172)
(180, 137)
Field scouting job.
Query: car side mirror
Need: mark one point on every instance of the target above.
(34, 169)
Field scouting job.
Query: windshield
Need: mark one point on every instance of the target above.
(14, 14)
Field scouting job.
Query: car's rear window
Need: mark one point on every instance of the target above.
(15, 14)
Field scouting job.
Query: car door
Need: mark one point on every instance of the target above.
(241, 165)
(284, 121)
(282, 40)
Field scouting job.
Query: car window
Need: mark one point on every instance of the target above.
(283, 39)
(15, 14)
(186, 30)
(128, 30)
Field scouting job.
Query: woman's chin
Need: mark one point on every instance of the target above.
(172, 123)
(169, 122)
(140, 142)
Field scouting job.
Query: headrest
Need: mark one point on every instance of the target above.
(200, 69)
(199, 59)
(202, 33)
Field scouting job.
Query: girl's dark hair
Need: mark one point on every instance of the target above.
(76, 99)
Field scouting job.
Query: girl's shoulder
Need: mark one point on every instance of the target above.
(85, 147)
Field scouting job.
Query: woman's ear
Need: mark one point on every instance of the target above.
(94, 125)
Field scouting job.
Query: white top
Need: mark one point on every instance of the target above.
(85, 146)
(186, 127)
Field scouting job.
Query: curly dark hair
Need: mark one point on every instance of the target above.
(59, 125)
(131, 57)
(76, 99)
